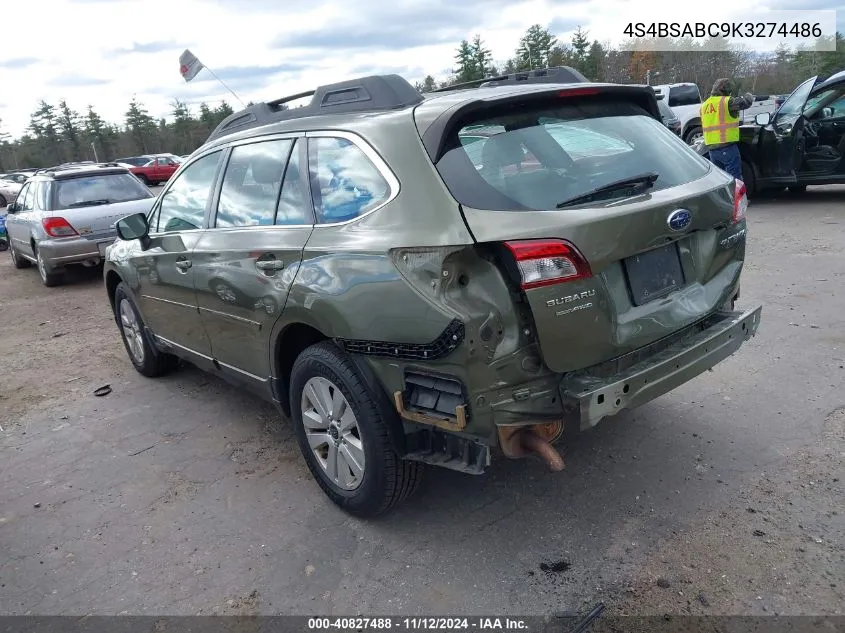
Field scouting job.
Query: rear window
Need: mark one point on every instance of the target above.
(86, 191)
(684, 95)
(535, 159)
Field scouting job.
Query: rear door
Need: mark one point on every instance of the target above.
(244, 264)
(612, 273)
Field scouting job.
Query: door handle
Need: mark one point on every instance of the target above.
(183, 264)
(268, 265)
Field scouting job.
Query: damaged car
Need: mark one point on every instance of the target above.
(437, 279)
(802, 143)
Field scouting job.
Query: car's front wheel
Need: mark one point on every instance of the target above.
(17, 260)
(148, 360)
(693, 135)
(342, 430)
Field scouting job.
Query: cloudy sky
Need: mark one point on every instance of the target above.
(102, 52)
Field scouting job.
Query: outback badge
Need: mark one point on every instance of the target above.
(679, 219)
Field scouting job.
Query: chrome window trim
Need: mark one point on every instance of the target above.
(374, 157)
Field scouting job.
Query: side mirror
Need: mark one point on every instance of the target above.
(764, 118)
(133, 227)
(12, 208)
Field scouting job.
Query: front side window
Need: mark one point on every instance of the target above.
(98, 189)
(21, 199)
(543, 156)
(29, 198)
(183, 205)
(794, 104)
(251, 183)
(344, 182)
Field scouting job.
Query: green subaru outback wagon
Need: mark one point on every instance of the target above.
(435, 279)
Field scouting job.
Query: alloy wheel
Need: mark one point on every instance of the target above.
(131, 331)
(332, 431)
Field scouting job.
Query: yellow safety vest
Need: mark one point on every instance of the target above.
(717, 123)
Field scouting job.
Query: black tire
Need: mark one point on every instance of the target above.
(797, 188)
(143, 179)
(691, 134)
(50, 277)
(387, 479)
(153, 362)
(17, 261)
(749, 179)
(3, 201)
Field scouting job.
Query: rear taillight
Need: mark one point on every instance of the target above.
(58, 227)
(740, 201)
(547, 262)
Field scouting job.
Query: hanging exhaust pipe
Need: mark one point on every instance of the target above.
(521, 441)
(536, 444)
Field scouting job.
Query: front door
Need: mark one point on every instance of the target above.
(244, 264)
(19, 224)
(165, 272)
(782, 144)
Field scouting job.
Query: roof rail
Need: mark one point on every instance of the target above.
(366, 94)
(553, 75)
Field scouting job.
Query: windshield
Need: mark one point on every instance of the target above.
(99, 189)
(831, 98)
(794, 105)
(538, 158)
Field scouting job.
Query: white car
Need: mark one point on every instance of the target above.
(685, 101)
(8, 192)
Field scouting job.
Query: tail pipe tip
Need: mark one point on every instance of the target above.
(534, 443)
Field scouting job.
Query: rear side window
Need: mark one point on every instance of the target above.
(538, 157)
(683, 95)
(183, 205)
(251, 183)
(344, 182)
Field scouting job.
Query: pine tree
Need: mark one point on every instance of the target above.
(43, 126)
(69, 127)
(100, 133)
(580, 45)
(535, 48)
(141, 126)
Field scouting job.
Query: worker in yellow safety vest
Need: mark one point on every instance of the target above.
(720, 125)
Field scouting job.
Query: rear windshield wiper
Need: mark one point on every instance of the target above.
(88, 203)
(637, 184)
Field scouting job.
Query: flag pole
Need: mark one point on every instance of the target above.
(224, 85)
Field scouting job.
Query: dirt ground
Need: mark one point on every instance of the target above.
(184, 496)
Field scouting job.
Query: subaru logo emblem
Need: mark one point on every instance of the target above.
(679, 219)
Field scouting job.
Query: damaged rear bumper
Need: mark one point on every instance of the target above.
(589, 397)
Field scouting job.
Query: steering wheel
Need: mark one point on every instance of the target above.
(812, 129)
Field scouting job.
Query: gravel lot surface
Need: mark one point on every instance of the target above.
(183, 495)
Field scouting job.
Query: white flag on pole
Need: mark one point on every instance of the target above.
(189, 65)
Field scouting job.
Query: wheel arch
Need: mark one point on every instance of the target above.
(295, 336)
(112, 280)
